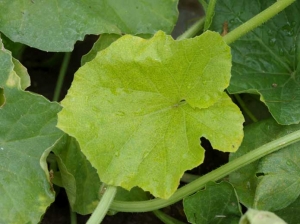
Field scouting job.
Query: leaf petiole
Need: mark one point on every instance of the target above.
(61, 76)
(210, 12)
(257, 20)
(104, 205)
(243, 29)
(204, 4)
(193, 30)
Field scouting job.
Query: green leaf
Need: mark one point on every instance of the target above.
(27, 134)
(79, 178)
(103, 42)
(266, 60)
(218, 203)
(291, 213)
(28, 21)
(278, 184)
(21, 71)
(16, 49)
(253, 216)
(139, 108)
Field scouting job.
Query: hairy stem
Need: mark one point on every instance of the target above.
(103, 205)
(73, 217)
(154, 204)
(257, 20)
(204, 4)
(193, 30)
(210, 12)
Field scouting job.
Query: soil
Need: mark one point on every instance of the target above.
(43, 68)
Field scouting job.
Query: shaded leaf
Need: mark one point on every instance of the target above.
(28, 21)
(257, 108)
(280, 184)
(27, 134)
(16, 49)
(218, 203)
(271, 191)
(78, 177)
(266, 60)
(135, 194)
(290, 213)
(138, 114)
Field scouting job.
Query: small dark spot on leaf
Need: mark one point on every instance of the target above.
(259, 174)
(274, 85)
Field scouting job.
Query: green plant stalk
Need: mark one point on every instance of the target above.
(103, 205)
(193, 30)
(257, 20)
(61, 76)
(73, 217)
(166, 218)
(204, 4)
(154, 204)
(245, 108)
(210, 12)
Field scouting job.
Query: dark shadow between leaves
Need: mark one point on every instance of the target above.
(2, 97)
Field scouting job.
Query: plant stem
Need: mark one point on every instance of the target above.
(245, 108)
(166, 218)
(103, 205)
(144, 206)
(61, 76)
(193, 30)
(204, 4)
(257, 20)
(73, 217)
(210, 12)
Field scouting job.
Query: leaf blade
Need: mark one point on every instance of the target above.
(265, 61)
(71, 21)
(27, 134)
(143, 109)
